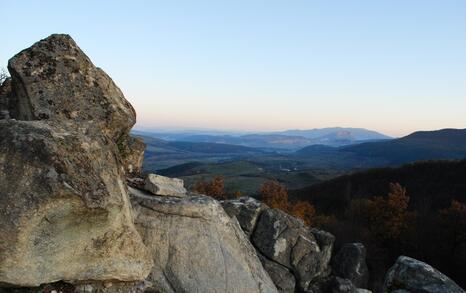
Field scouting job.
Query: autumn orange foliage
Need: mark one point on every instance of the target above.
(214, 188)
(274, 195)
(303, 210)
(386, 217)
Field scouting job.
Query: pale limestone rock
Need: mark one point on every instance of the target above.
(196, 247)
(64, 208)
(161, 185)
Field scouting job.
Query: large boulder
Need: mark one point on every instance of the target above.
(350, 263)
(64, 208)
(246, 210)
(196, 247)
(287, 241)
(55, 80)
(409, 275)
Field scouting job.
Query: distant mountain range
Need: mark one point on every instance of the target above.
(285, 140)
(192, 160)
(422, 145)
(282, 150)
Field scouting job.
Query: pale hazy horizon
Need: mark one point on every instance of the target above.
(390, 66)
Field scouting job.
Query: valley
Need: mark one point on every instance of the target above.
(246, 168)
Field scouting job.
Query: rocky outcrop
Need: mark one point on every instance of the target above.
(350, 263)
(6, 91)
(246, 210)
(409, 275)
(281, 276)
(287, 241)
(132, 153)
(165, 186)
(284, 240)
(196, 247)
(68, 224)
(64, 209)
(55, 80)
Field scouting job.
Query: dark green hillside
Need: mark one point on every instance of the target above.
(161, 154)
(423, 145)
(244, 176)
(431, 184)
(200, 147)
(432, 231)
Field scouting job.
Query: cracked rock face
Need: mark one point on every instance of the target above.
(64, 209)
(280, 275)
(293, 254)
(286, 240)
(196, 247)
(411, 275)
(246, 210)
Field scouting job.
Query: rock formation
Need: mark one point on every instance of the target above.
(161, 185)
(64, 209)
(350, 263)
(409, 275)
(291, 252)
(196, 247)
(76, 216)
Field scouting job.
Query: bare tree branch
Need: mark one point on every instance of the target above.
(3, 75)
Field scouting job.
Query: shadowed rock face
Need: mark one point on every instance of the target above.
(287, 241)
(409, 275)
(350, 263)
(64, 209)
(294, 255)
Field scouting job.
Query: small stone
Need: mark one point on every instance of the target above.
(164, 186)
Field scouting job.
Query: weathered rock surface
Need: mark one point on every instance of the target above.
(6, 91)
(411, 275)
(196, 247)
(246, 210)
(132, 153)
(165, 186)
(64, 209)
(286, 240)
(55, 80)
(280, 275)
(340, 285)
(350, 263)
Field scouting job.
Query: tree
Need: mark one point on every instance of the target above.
(454, 225)
(3, 75)
(215, 188)
(303, 210)
(274, 195)
(389, 216)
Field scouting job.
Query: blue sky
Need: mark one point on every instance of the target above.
(393, 66)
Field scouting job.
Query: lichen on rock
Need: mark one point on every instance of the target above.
(64, 208)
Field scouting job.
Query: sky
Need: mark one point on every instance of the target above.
(395, 66)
